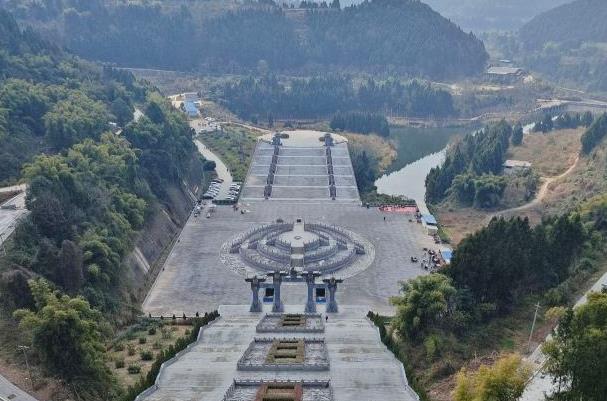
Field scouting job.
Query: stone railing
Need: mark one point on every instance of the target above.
(263, 366)
(260, 262)
(272, 253)
(321, 253)
(255, 234)
(264, 327)
(322, 383)
(335, 263)
(311, 245)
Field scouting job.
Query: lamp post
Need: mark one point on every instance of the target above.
(25, 348)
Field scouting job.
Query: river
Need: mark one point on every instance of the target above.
(419, 150)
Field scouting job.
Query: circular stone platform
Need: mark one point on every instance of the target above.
(298, 246)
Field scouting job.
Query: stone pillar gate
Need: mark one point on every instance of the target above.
(255, 285)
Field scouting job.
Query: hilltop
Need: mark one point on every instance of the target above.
(384, 36)
(569, 24)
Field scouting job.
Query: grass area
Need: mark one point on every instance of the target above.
(380, 148)
(550, 154)
(235, 146)
(131, 355)
(4, 196)
(587, 180)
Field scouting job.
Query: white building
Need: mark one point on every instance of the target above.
(515, 166)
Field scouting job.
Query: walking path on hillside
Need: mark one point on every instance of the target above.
(541, 194)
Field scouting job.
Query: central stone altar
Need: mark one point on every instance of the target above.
(298, 247)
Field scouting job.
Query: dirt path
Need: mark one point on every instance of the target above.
(541, 194)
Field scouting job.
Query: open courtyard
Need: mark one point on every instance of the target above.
(299, 214)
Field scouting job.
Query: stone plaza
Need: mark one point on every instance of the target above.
(301, 249)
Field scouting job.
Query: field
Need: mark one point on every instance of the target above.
(381, 149)
(132, 354)
(234, 145)
(551, 154)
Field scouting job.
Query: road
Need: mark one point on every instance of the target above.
(9, 217)
(11, 392)
(541, 384)
(222, 170)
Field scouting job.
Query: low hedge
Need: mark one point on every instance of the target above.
(148, 380)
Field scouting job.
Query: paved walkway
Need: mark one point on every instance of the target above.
(220, 168)
(9, 216)
(10, 392)
(361, 367)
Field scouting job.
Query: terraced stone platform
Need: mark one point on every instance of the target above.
(302, 169)
(361, 368)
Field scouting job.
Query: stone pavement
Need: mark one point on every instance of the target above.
(301, 169)
(194, 278)
(10, 392)
(361, 368)
(9, 216)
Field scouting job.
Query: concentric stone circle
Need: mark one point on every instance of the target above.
(300, 246)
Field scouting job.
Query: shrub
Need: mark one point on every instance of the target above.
(119, 347)
(157, 345)
(119, 363)
(142, 340)
(152, 331)
(134, 369)
(131, 350)
(146, 355)
(166, 333)
(180, 344)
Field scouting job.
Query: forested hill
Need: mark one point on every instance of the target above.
(404, 36)
(570, 24)
(90, 190)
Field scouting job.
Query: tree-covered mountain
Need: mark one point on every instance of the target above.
(569, 24)
(567, 45)
(403, 36)
(90, 190)
(487, 15)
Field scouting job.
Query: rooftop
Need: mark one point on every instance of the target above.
(504, 71)
(516, 164)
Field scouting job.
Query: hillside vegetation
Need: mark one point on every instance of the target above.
(567, 44)
(571, 23)
(90, 193)
(378, 36)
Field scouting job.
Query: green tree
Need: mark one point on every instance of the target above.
(503, 381)
(594, 134)
(424, 302)
(122, 111)
(577, 354)
(517, 135)
(67, 335)
(74, 119)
